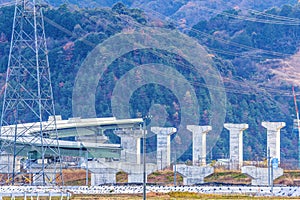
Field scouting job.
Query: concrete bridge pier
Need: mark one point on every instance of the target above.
(131, 144)
(163, 146)
(273, 137)
(199, 143)
(260, 175)
(195, 174)
(236, 144)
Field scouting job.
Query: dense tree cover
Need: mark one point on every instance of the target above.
(170, 7)
(245, 43)
(265, 33)
(72, 34)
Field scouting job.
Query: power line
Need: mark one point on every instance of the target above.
(242, 46)
(269, 90)
(224, 41)
(254, 90)
(278, 17)
(208, 36)
(252, 19)
(6, 4)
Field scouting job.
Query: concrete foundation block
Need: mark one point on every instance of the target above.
(260, 175)
(105, 173)
(103, 176)
(193, 174)
(6, 164)
(102, 173)
(136, 172)
(49, 175)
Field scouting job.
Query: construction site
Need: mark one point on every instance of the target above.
(36, 144)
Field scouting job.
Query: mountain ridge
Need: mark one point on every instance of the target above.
(252, 98)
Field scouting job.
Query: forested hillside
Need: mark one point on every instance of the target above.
(262, 47)
(244, 51)
(185, 12)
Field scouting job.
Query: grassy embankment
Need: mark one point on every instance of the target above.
(166, 177)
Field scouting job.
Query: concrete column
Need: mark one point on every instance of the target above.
(236, 144)
(131, 144)
(273, 137)
(163, 145)
(199, 143)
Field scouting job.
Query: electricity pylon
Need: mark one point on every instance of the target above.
(29, 147)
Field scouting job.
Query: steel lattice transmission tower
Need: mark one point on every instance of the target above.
(29, 147)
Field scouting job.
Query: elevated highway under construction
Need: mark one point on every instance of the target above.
(75, 136)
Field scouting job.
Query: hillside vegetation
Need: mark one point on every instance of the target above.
(185, 12)
(252, 95)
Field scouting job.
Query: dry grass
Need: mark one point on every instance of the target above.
(74, 177)
(160, 196)
(228, 177)
(221, 169)
(166, 177)
(122, 177)
(289, 178)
